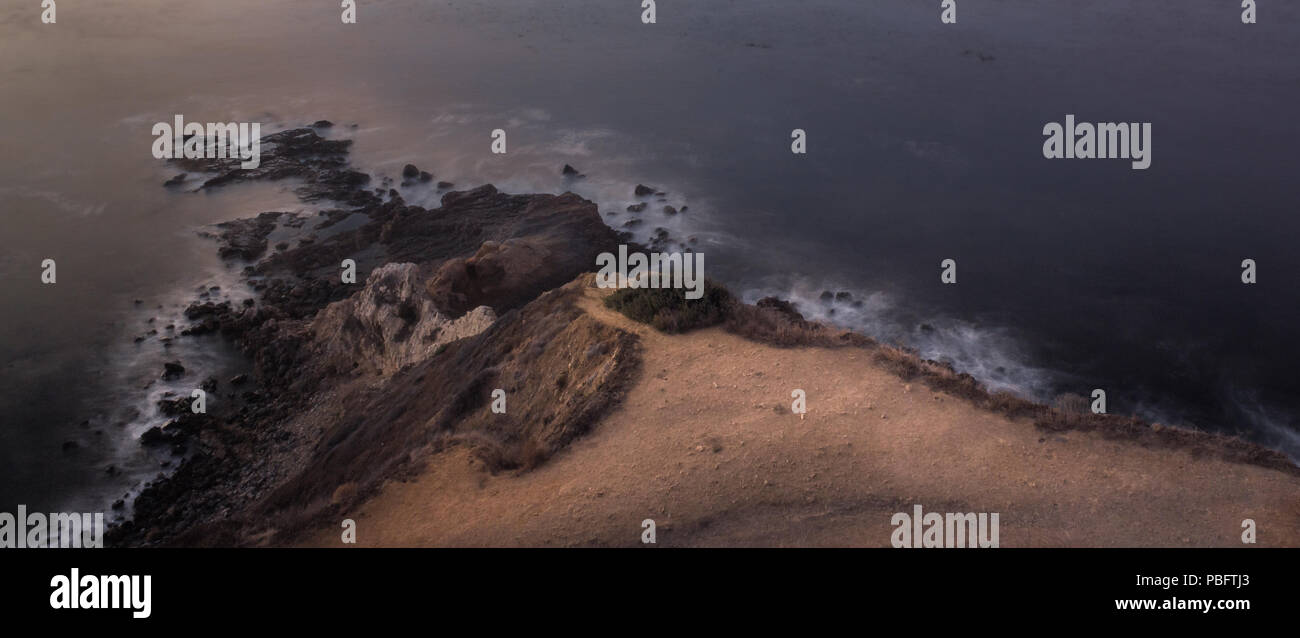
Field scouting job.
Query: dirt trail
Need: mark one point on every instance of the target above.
(705, 444)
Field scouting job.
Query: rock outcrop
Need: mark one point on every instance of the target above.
(391, 323)
(351, 382)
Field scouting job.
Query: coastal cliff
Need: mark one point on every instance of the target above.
(372, 398)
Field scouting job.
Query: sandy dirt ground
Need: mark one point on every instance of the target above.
(706, 446)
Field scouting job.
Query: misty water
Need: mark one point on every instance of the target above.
(924, 144)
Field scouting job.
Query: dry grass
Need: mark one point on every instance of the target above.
(516, 454)
(903, 364)
(777, 323)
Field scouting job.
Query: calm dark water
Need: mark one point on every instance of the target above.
(924, 144)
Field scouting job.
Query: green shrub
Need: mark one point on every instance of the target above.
(668, 309)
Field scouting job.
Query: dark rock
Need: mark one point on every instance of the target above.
(246, 238)
(174, 407)
(207, 326)
(185, 425)
(442, 186)
(177, 180)
(300, 153)
(322, 124)
(173, 370)
(426, 176)
(153, 437)
(660, 240)
(783, 307)
(207, 309)
(410, 171)
(669, 210)
(643, 190)
(636, 208)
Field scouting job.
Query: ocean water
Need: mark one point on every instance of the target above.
(924, 144)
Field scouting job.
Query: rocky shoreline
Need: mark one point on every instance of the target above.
(425, 279)
(355, 383)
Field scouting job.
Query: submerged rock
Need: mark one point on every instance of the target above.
(301, 153)
(173, 370)
(246, 238)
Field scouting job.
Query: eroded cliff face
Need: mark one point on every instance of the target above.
(555, 371)
(353, 382)
(390, 323)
